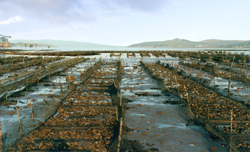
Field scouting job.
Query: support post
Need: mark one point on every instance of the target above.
(116, 113)
(49, 75)
(32, 116)
(208, 114)
(61, 87)
(228, 90)
(232, 62)
(27, 81)
(176, 82)
(231, 121)
(45, 104)
(53, 94)
(120, 136)
(121, 98)
(19, 120)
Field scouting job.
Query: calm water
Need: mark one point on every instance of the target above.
(122, 48)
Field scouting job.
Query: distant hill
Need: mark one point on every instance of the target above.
(58, 43)
(245, 44)
(21, 44)
(182, 43)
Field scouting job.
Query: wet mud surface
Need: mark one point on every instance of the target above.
(68, 115)
(35, 96)
(155, 122)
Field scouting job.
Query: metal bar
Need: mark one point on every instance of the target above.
(67, 140)
(101, 106)
(98, 83)
(49, 150)
(96, 116)
(227, 122)
(56, 127)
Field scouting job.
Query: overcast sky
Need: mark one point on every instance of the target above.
(125, 22)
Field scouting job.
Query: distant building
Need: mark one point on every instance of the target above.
(5, 44)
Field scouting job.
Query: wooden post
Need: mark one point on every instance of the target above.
(208, 114)
(19, 119)
(231, 121)
(61, 87)
(231, 129)
(188, 102)
(27, 81)
(185, 89)
(53, 94)
(115, 86)
(69, 82)
(26, 64)
(121, 98)
(68, 87)
(190, 74)
(32, 116)
(45, 103)
(1, 138)
(176, 82)
(116, 113)
(217, 84)
(72, 85)
(80, 75)
(49, 75)
(120, 136)
(172, 84)
(246, 65)
(198, 75)
(228, 90)
(232, 62)
(177, 68)
(85, 73)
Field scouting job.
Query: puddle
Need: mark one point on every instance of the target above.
(152, 102)
(137, 114)
(180, 125)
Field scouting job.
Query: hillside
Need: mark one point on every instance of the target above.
(21, 44)
(245, 44)
(58, 43)
(182, 43)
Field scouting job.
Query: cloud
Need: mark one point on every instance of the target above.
(72, 11)
(147, 6)
(53, 11)
(12, 20)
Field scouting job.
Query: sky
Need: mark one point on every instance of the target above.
(125, 22)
